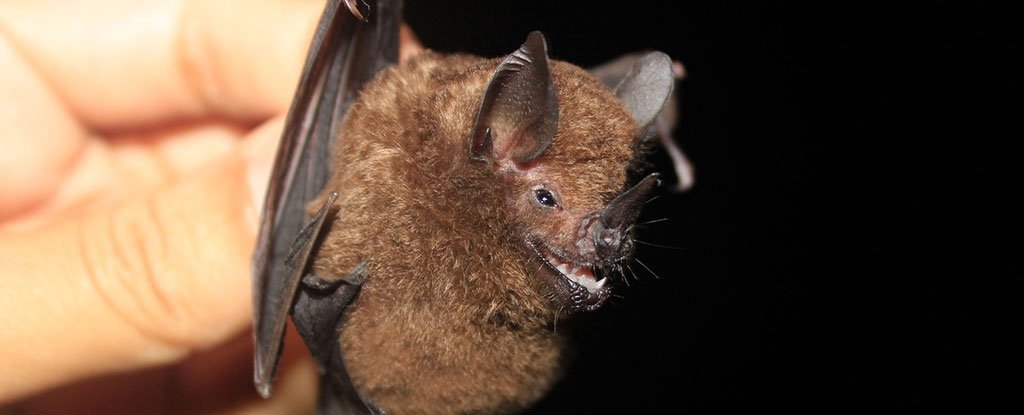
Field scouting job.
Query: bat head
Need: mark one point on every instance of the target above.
(562, 145)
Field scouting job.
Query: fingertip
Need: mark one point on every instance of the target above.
(409, 44)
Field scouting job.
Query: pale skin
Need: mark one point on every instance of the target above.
(135, 143)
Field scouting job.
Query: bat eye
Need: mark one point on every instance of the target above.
(545, 198)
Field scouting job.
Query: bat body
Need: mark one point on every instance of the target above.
(468, 204)
(456, 313)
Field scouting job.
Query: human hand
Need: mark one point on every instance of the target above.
(136, 139)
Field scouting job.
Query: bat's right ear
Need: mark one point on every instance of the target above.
(519, 111)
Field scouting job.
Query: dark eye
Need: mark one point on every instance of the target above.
(545, 198)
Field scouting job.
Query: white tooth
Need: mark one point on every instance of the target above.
(563, 269)
(600, 284)
(590, 286)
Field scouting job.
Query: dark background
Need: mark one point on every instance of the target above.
(791, 288)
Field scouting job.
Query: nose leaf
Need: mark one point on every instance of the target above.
(618, 216)
(625, 208)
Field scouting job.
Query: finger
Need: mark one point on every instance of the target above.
(39, 139)
(214, 381)
(145, 283)
(107, 169)
(119, 63)
(116, 67)
(408, 43)
(114, 64)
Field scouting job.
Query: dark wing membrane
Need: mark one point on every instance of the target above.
(345, 53)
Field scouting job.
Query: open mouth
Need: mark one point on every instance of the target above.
(577, 283)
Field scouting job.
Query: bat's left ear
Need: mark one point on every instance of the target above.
(646, 88)
(519, 111)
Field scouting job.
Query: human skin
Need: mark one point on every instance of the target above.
(135, 143)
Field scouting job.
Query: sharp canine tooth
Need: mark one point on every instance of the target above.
(578, 274)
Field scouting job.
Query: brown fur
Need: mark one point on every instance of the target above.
(455, 316)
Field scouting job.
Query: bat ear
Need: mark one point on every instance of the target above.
(519, 111)
(646, 88)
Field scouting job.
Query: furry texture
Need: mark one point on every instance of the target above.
(456, 316)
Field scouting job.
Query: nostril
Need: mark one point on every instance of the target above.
(608, 239)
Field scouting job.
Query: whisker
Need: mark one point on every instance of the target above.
(659, 245)
(631, 272)
(653, 221)
(559, 311)
(652, 199)
(648, 268)
(618, 270)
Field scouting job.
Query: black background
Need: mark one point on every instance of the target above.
(791, 289)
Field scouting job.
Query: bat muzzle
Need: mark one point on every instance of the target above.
(605, 242)
(578, 284)
(612, 231)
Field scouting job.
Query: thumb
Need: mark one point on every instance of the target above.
(143, 283)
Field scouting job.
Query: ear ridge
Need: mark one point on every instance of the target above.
(518, 113)
(646, 88)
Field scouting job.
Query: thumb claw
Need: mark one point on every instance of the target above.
(359, 8)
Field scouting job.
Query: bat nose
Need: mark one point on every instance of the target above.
(610, 241)
(611, 236)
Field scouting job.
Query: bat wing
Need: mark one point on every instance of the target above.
(353, 41)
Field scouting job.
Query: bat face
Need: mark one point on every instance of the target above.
(580, 249)
(567, 204)
(562, 144)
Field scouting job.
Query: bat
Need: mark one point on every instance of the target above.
(427, 223)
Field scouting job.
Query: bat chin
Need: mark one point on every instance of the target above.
(578, 284)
